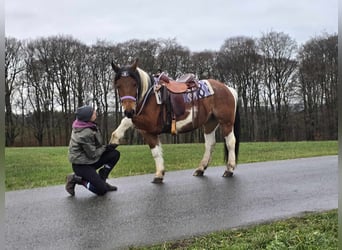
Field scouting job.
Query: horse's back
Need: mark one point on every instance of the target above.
(224, 92)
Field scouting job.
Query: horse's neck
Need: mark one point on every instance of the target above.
(145, 83)
(143, 100)
(148, 113)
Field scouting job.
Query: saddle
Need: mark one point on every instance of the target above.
(183, 84)
(172, 97)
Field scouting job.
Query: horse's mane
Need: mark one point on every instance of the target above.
(145, 80)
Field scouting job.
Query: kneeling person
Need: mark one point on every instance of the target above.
(87, 153)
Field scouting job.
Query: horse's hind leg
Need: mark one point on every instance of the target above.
(210, 142)
(231, 164)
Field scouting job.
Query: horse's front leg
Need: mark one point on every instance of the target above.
(157, 153)
(119, 132)
(210, 142)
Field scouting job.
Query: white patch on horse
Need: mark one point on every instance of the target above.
(230, 142)
(210, 142)
(119, 132)
(189, 119)
(144, 78)
(157, 153)
(235, 94)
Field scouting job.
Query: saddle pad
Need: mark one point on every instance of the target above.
(204, 90)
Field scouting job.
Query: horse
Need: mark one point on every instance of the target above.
(138, 93)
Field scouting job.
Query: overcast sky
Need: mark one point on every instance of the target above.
(196, 24)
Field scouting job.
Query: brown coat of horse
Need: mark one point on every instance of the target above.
(137, 94)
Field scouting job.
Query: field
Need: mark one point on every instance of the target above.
(38, 167)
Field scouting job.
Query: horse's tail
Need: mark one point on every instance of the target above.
(237, 137)
(237, 132)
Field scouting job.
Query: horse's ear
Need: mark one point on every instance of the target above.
(135, 64)
(115, 68)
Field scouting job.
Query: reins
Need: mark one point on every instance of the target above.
(144, 100)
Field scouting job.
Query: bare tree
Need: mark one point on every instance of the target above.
(66, 52)
(146, 51)
(40, 58)
(36, 115)
(13, 68)
(203, 64)
(278, 51)
(47, 78)
(318, 86)
(173, 58)
(240, 65)
(101, 81)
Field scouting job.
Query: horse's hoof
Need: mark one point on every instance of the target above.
(227, 174)
(157, 180)
(198, 173)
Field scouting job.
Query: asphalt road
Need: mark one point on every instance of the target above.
(142, 213)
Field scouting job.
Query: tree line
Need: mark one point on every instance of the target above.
(287, 91)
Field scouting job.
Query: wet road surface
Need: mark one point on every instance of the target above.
(142, 213)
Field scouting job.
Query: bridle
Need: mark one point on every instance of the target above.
(126, 72)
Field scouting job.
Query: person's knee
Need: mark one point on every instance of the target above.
(114, 156)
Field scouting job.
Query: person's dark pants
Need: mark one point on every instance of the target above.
(96, 182)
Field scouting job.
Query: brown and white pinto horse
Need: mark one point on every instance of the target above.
(136, 90)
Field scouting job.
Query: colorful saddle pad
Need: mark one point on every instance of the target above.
(204, 90)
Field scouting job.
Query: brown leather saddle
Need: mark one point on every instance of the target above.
(183, 84)
(173, 96)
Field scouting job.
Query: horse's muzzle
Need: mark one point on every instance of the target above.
(128, 103)
(129, 114)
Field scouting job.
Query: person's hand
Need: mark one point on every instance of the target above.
(111, 147)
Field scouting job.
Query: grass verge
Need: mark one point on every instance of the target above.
(312, 231)
(31, 167)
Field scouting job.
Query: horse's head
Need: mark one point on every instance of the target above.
(127, 82)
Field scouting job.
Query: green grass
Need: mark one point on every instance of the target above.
(31, 167)
(312, 231)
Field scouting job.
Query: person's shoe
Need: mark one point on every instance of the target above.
(110, 187)
(71, 181)
(70, 184)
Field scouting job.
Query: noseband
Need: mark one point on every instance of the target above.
(128, 97)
